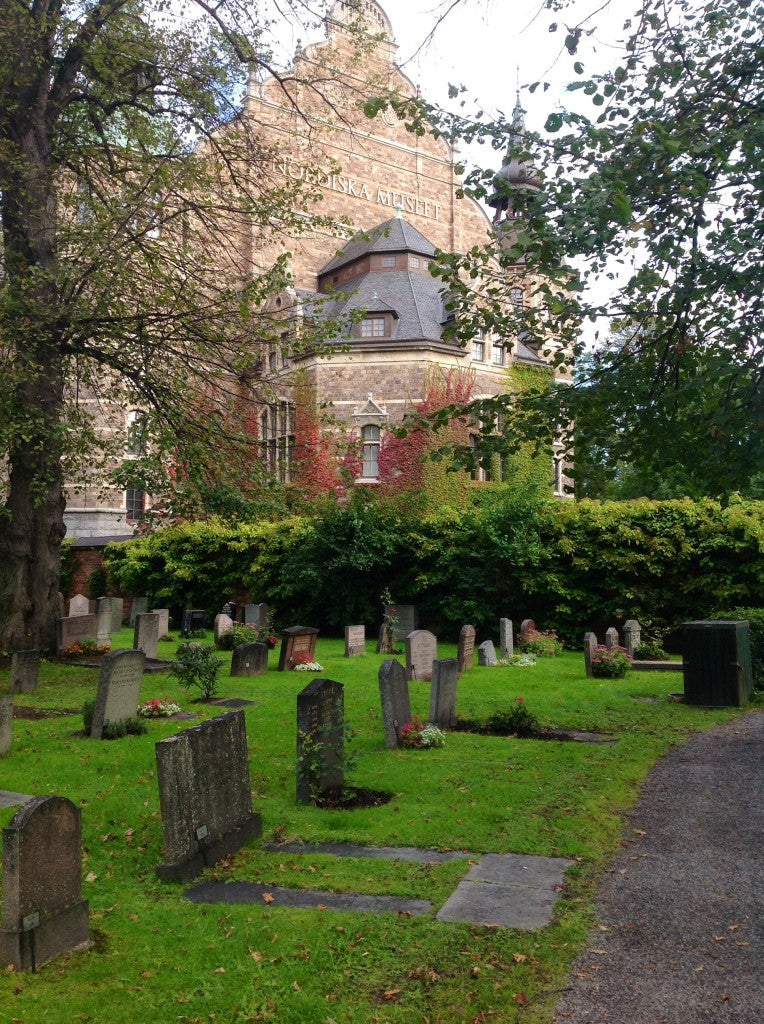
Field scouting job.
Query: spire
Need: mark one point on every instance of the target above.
(517, 171)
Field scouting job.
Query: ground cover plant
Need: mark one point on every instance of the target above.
(158, 957)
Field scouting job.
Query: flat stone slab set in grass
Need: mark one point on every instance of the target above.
(500, 890)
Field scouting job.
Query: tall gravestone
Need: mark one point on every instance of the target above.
(117, 613)
(506, 640)
(632, 636)
(320, 739)
(223, 624)
(445, 674)
(73, 628)
(386, 642)
(611, 638)
(256, 614)
(405, 618)
(527, 629)
(486, 653)
(466, 649)
(25, 671)
(249, 660)
(146, 634)
(194, 619)
(163, 626)
(119, 689)
(6, 724)
(590, 646)
(297, 643)
(43, 913)
(396, 703)
(79, 605)
(355, 641)
(421, 651)
(103, 616)
(138, 607)
(205, 795)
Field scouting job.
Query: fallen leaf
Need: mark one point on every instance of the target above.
(520, 998)
(267, 897)
(147, 974)
(219, 970)
(599, 952)
(90, 877)
(257, 957)
(519, 958)
(475, 972)
(733, 927)
(720, 938)
(320, 906)
(392, 993)
(295, 986)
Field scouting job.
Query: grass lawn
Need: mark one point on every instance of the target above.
(159, 958)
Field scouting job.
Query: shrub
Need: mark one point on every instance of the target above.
(197, 666)
(543, 644)
(432, 736)
(97, 582)
(242, 633)
(610, 662)
(516, 720)
(650, 650)
(87, 645)
(114, 730)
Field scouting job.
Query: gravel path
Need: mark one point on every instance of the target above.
(679, 937)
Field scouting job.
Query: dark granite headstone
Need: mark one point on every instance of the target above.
(421, 651)
(466, 649)
(119, 689)
(194, 619)
(6, 724)
(445, 673)
(147, 634)
(611, 638)
(320, 739)
(205, 795)
(590, 646)
(355, 641)
(406, 618)
(74, 628)
(486, 653)
(506, 640)
(297, 643)
(25, 671)
(138, 607)
(43, 912)
(249, 660)
(396, 704)
(632, 636)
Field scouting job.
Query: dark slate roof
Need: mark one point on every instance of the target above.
(527, 355)
(395, 235)
(415, 298)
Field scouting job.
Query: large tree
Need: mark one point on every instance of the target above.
(128, 280)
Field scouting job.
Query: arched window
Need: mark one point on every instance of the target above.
(370, 434)
(517, 297)
(136, 434)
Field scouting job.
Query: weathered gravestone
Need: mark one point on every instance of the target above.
(103, 617)
(405, 618)
(25, 671)
(506, 640)
(355, 641)
(43, 912)
(611, 638)
(164, 620)
(6, 724)
(320, 739)
(466, 649)
(590, 646)
(632, 636)
(146, 634)
(527, 629)
(421, 651)
(445, 673)
(298, 643)
(223, 624)
(117, 613)
(256, 614)
(486, 653)
(138, 607)
(119, 690)
(249, 660)
(73, 628)
(79, 605)
(194, 619)
(386, 643)
(205, 795)
(396, 704)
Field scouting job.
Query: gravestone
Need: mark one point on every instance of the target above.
(73, 628)
(138, 607)
(119, 689)
(320, 739)
(297, 643)
(6, 724)
(632, 636)
(421, 651)
(355, 641)
(527, 629)
(43, 913)
(117, 613)
(79, 605)
(486, 653)
(466, 649)
(205, 795)
(146, 634)
(194, 619)
(386, 643)
(164, 620)
(396, 704)
(407, 618)
(506, 640)
(256, 614)
(590, 646)
(103, 616)
(223, 624)
(611, 638)
(249, 660)
(25, 671)
(445, 673)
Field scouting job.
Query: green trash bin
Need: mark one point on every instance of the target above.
(717, 663)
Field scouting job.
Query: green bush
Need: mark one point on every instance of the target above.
(97, 583)
(114, 730)
(516, 720)
(610, 662)
(542, 644)
(197, 667)
(650, 650)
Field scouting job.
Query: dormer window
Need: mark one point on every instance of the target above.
(414, 262)
(374, 327)
(388, 261)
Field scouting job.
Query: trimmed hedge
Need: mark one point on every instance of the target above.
(571, 566)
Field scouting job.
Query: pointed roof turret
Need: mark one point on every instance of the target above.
(517, 170)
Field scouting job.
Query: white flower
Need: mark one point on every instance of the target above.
(310, 666)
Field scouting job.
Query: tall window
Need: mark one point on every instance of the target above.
(135, 504)
(136, 434)
(517, 297)
(478, 350)
(498, 353)
(370, 435)
(557, 474)
(277, 440)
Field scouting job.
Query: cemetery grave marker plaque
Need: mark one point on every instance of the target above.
(486, 654)
(117, 612)
(386, 642)
(25, 671)
(407, 617)
(506, 640)
(249, 660)
(79, 605)
(297, 642)
(527, 627)
(205, 795)
(6, 724)
(73, 628)
(43, 913)
(256, 614)
(103, 616)
(466, 649)
(632, 636)
(223, 624)
(147, 634)
(320, 739)
(445, 673)
(396, 703)
(163, 627)
(590, 646)
(194, 619)
(119, 689)
(421, 651)
(611, 638)
(138, 607)
(355, 641)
